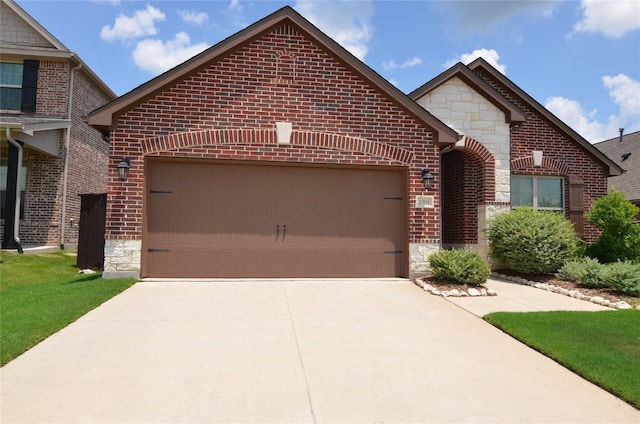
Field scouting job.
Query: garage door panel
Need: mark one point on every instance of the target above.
(228, 220)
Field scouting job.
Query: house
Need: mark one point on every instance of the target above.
(625, 151)
(46, 91)
(276, 153)
(514, 153)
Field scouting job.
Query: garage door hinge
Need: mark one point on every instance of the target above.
(157, 250)
(392, 252)
(393, 198)
(160, 191)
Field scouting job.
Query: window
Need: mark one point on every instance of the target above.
(19, 86)
(11, 86)
(538, 192)
(3, 188)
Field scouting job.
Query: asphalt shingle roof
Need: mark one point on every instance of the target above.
(629, 181)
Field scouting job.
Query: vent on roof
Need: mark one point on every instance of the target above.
(626, 156)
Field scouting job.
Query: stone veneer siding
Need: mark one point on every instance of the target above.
(476, 175)
(228, 110)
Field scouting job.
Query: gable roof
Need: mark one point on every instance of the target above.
(512, 114)
(629, 182)
(54, 48)
(480, 63)
(54, 43)
(105, 117)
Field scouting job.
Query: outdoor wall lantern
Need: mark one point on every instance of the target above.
(427, 178)
(123, 168)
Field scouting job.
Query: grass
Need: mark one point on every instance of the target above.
(43, 293)
(603, 347)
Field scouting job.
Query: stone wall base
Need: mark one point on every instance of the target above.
(122, 258)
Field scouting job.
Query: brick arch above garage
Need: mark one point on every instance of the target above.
(266, 137)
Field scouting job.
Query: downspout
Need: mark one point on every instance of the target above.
(16, 219)
(65, 173)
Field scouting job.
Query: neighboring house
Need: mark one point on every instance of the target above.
(45, 93)
(514, 153)
(625, 151)
(276, 153)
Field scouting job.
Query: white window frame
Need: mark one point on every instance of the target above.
(535, 179)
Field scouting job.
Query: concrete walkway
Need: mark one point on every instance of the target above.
(292, 352)
(514, 297)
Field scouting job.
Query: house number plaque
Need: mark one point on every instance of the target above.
(424, 202)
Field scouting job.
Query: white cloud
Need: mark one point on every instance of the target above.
(141, 24)
(612, 18)
(483, 15)
(235, 6)
(157, 56)
(572, 114)
(112, 2)
(349, 23)
(391, 64)
(491, 56)
(623, 91)
(192, 17)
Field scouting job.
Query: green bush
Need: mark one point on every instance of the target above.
(530, 241)
(623, 277)
(620, 238)
(462, 266)
(586, 271)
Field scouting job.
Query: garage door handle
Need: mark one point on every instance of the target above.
(277, 232)
(284, 233)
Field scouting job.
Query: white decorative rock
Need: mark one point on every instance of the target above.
(474, 292)
(491, 292)
(455, 293)
(483, 292)
(623, 305)
(596, 299)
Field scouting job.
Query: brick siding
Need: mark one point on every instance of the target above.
(279, 77)
(88, 158)
(562, 157)
(53, 88)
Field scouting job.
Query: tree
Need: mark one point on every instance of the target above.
(616, 218)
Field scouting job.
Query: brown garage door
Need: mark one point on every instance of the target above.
(224, 220)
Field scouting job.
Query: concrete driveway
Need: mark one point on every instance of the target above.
(292, 352)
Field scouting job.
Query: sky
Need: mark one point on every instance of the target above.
(579, 59)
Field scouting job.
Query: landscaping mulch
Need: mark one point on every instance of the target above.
(609, 294)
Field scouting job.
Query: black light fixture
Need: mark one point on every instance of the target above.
(427, 178)
(123, 168)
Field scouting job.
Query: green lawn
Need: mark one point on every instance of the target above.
(43, 293)
(603, 347)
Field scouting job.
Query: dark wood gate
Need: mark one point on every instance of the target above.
(93, 214)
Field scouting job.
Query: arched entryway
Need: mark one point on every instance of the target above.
(468, 184)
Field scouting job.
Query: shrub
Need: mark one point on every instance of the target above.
(623, 277)
(462, 266)
(620, 237)
(530, 241)
(586, 271)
